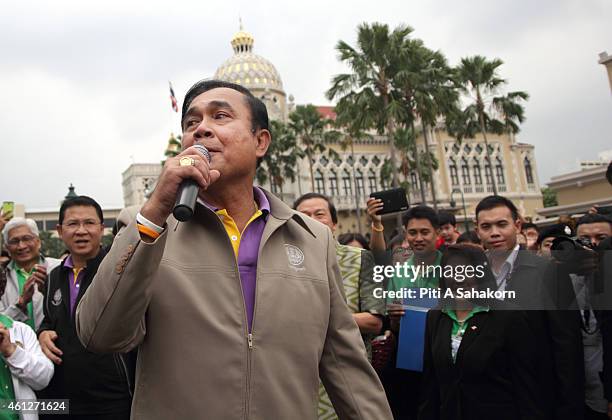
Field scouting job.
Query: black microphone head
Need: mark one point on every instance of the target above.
(203, 151)
(182, 213)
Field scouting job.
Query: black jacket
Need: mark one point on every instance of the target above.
(539, 281)
(94, 383)
(494, 375)
(606, 334)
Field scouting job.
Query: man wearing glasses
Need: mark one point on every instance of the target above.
(26, 273)
(97, 385)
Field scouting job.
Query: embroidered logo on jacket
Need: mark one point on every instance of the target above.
(295, 255)
(57, 298)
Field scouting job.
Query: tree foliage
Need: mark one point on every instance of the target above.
(549, 197)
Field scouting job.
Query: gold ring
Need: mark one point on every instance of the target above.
(187, 161)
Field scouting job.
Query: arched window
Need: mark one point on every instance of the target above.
(372, 181)
(347, 188)
(477, 174)
(453, 172)
(319, 182)
(499, 172)
(528, 171)
(465, 172)
(360, 183)
(333, 183)
(413, 180)
(488, 174)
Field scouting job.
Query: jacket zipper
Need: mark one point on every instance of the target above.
(249, 334)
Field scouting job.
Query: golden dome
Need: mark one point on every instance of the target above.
(242, 41)
(247, 69)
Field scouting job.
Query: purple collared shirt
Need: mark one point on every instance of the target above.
(73, 285)
(248, 250)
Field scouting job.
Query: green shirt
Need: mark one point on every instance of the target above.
(6, 379)
(459, 327)
(22, 277)
(429, 279)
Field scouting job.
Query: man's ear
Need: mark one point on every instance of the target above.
(264, 138)
(58, 228)
(518, 224)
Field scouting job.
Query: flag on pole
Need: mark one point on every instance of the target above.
(173, 98)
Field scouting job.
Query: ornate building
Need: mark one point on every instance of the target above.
(462, 167)
(255, 73)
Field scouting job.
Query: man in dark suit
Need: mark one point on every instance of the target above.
(546, 292)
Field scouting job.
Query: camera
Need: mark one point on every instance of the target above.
(565, 249)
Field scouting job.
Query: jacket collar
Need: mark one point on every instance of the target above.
(280, 210)
(92, 263)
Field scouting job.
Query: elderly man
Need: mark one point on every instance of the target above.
(357, 270)
(26, 273)
(243, 304)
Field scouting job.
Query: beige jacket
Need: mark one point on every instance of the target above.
(180, 300)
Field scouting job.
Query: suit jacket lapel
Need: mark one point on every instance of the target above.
(442, 347)
(475, 324)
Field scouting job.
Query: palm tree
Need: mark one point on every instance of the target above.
(429, 91)
(479, 79)
(374, 62)
(280, 162)
(511, 112)
(311, 129)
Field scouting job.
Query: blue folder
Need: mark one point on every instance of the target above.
(412, 334)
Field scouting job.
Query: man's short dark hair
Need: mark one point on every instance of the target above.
(592, 218)
(259, 113)
(446, 218)
(470, 237)
(308, 196)
(554, 231)
(529, 225)
(81, 200)
(421, 212)
(494, 201)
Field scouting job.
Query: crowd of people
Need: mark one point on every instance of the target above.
(253, 309)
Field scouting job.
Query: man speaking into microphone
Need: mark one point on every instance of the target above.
(237, 311)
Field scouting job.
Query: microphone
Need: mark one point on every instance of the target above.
(188, 193)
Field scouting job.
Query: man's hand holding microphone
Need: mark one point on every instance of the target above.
(182, 176)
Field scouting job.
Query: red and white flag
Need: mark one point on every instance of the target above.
(173, 98)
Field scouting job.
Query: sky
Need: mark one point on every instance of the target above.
(85, 85)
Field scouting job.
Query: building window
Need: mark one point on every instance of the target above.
(360, 183)
(333, 184)
(413, 179)
(371, 181)
(319, 182)
(488, 174)
(465, 173)
(477, 175)
(453, 173)
(499, 172)
(528, 171)
(346, 183)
